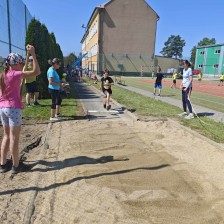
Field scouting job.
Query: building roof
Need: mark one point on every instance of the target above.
(102, 6)
(110, 1)
(212, 45)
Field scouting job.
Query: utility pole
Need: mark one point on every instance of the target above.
(84, 27)
(9, 30)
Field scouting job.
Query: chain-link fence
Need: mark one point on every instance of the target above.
(14, 20)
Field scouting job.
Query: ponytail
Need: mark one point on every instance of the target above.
(3, 77)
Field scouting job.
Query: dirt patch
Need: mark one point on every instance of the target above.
(150, 171)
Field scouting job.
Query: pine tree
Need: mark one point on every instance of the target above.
(46, 48)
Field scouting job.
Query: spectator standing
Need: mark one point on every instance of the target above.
(200, 77)
(31, 84)
(186, 86)
(174, 77)
(54, 88)
(221, 79)
(11, 107)
(158, 82)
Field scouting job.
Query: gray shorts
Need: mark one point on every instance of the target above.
(11, 116)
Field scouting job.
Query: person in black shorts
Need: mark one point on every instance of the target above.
(31, 85)
(106, 83)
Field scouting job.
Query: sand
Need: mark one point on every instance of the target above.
(121, 171)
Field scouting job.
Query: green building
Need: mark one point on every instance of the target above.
(210, 59)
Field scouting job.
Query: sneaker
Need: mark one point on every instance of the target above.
(159, 95)
(21, 168)
(54, 119)
(28, 105)
(189, 116)
(154, 94)
(6, 167)
(59, 115)
(104, 106)
(108, 107)
(183, 114)
(36, 103)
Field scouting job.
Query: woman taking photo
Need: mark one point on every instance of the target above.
(186, 86)
(11, 107)
(54, 88)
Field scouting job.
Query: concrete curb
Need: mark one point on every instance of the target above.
(31, 204)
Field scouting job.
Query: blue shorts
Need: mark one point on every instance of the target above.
(158, 86)
(11, 116)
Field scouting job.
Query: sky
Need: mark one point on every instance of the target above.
(192, 20)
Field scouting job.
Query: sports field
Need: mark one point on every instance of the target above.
(205, 93)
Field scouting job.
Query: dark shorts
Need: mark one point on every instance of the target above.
(55, 97)
(158, 86)
(105, 91)
(31, 87)
(174, 81)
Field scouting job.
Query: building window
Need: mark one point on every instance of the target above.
(200, 66)
(217, 51)
(215, 65)
(202, 53)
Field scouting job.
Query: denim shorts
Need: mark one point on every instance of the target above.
(158, 86)
(11, 116)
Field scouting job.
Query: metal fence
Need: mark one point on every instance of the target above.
(14, 21)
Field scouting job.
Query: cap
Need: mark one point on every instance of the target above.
(15, 59)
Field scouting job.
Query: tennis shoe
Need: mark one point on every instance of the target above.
(189, 116)
(6, 167)
(59, 115)
(54, 119)
(183, 114)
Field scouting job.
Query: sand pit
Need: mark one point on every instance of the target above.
(149, 171)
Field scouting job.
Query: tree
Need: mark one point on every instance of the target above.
(205, 41)
(70, 59)
(46, 48)
(173, 47)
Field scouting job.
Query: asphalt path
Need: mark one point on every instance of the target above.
(92, 103)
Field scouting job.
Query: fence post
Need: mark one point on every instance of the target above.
(9, 31)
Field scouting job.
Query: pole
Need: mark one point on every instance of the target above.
(9, 32)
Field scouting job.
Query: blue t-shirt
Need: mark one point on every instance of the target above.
(186, 77)
(51, 73)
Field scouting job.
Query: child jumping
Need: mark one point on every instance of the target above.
(106, 83)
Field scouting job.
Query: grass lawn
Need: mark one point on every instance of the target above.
(69, 108)
(147, 106)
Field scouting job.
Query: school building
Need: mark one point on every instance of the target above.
(121, 36)
(210, 59)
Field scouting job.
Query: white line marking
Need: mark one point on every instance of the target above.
(105, 111)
